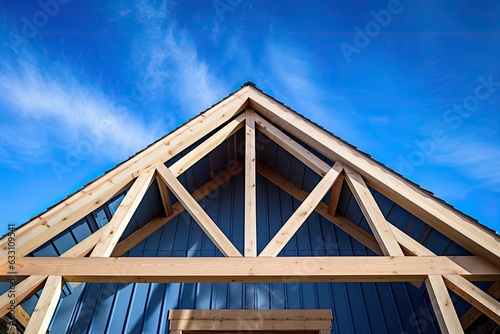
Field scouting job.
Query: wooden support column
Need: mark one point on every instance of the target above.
(372, 213)
(115, 228)
(301, 214)
(443, 307)
(196, 211)
(250, 186)
(46, 306)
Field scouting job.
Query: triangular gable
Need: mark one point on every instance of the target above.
(252, 110)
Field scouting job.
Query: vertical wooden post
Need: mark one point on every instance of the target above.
(250, 186)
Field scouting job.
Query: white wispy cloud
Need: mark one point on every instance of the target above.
(52, 105)
(296, 77)
(166, 51)
(475, 158)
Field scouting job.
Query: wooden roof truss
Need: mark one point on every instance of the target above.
(97, 258)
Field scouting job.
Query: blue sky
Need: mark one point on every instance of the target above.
(86, 84)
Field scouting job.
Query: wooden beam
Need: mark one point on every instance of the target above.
(473, 313)
(156, 223)
(165, 196)
(335, 195)
(418, 202)
(259, 269)
(42, 229)
(46, 306)
(250, 186)
(303, 314)
(349, 227)
(32, 284)
(115, 228)
(207, 146)
(290, 145)
(474, 296)
(443, 306)
(289, 229)
(22, 316)
(46, 226)
(199, 215)
(291, 321)
(372, 213)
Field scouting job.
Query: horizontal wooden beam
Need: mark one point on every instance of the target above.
(289, 321)
(305, 314)
(277, 269)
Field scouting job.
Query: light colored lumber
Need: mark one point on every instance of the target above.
(115, 228)
(43, 229)
(22, 316)
(207, 146)
(290, 145)
(290, 321)
(292, 225)
(68, 212)
(258, 269)
(165, 197)
(473, 313)
(303, 314)
(372, 213)
(32, 284)
(250, 186)
(46, 306)
(335, 195)
(156, 223)
(474, 296)
(343, 223)
(440, 216)
(289, 327)
(443, 306)
(199, 215)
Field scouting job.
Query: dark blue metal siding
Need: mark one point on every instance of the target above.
(143, 308)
